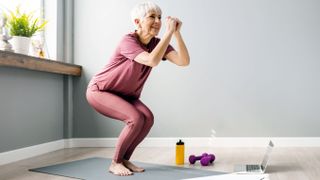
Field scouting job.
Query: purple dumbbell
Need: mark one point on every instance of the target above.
(193, 158)
(205, 161)
(212, 157)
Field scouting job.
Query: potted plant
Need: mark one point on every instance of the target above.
(22, 26)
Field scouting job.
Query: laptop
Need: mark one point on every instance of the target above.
(255, 168)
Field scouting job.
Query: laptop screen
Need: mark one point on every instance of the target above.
(266, 156)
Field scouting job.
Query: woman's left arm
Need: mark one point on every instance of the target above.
(180, 57)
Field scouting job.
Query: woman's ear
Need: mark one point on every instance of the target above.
(136, 22)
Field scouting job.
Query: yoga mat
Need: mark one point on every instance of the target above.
(97, 169)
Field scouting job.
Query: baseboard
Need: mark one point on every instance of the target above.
(204, 142)
(148, 142)
(32, 151)
(263, 141)
(28, 152)
(91, 142)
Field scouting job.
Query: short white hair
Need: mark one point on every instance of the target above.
(140, 10)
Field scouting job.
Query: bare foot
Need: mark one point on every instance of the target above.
(119, 169)
(132, 167)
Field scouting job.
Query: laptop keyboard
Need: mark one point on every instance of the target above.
(253, 167)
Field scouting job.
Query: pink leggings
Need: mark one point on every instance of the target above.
(136, 115)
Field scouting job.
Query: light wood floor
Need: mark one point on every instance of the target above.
(285, 163)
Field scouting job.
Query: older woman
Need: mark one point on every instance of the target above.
(115, 90)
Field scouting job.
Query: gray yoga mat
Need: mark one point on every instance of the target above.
(97, 169)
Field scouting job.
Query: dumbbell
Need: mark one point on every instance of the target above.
(205, 159)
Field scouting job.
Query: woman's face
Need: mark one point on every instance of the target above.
(151, 23)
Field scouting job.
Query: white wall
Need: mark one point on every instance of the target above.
(254, 68)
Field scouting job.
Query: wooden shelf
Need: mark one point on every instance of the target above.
(11, 59)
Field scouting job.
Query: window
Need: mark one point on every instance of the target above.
(30, 5)
(41, 8)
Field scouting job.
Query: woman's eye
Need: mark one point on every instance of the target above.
(154, 17)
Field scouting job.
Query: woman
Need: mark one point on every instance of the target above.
(115, 91)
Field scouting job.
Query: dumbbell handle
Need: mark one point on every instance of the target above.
(193, 158)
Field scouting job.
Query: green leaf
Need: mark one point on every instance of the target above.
(23, 24)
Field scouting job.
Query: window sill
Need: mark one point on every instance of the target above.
(11, 59)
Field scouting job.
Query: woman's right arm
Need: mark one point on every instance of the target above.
(153, 58)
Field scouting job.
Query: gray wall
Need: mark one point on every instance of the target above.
(36, 107)
(31, 108)
(254, 68)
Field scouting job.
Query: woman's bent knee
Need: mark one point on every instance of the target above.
(135, 119)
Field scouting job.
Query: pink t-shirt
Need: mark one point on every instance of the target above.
(122, 75)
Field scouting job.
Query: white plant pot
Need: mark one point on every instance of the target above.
(21, 44)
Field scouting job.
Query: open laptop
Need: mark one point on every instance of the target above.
(255, 168)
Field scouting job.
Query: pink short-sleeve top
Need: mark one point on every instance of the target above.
(122, 75)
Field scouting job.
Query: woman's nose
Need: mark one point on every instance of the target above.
(158, 20)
